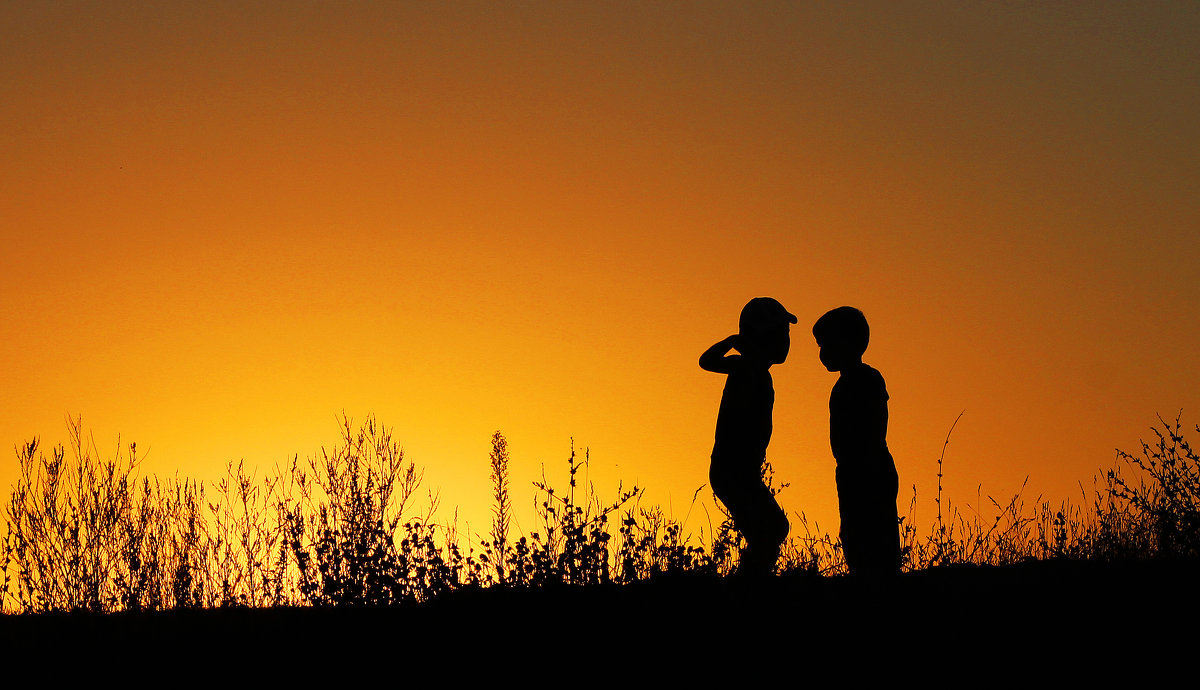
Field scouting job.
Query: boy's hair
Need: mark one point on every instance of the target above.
(845, 325)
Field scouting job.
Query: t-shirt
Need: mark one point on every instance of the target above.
(858, 417)
(744, 420)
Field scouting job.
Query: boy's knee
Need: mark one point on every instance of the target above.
(766, 526)
(772, 528)
(780, 527)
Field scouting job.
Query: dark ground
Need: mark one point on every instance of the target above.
(1040, 617)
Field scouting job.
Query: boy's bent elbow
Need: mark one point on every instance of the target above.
(718, 364)
(714, 358)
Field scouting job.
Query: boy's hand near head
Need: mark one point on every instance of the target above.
(717, 358)
(762, 338)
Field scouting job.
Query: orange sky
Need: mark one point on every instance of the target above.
(225, 224)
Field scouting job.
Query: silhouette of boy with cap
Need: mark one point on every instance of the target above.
(866, 474)
(744, 429)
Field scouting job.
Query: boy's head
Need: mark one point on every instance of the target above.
(842, 334)
(763, 327)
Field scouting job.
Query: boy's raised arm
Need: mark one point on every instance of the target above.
(715, 360)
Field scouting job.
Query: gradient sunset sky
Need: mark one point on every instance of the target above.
(224, 224)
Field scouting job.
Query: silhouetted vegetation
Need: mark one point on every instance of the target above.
(343, 528)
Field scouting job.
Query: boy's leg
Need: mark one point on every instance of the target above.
(766, 528)
(872, 546)
(881, 541)
(888, 522)
(756, 515)
(870, 527)
(850, 516)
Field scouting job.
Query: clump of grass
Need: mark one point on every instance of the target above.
(74, 528)
(343, 524)
(653, 544)
(1155, 514)
(83, 534)
(1166, 492)
(811, 550)
(573, 545)
(244, 546)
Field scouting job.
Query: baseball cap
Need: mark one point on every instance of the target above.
(764, 311)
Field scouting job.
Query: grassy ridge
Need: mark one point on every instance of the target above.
(342, 530)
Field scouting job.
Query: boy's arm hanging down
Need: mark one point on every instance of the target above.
(717, 361)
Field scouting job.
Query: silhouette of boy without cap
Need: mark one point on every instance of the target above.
(866, 474)
(744, 429)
